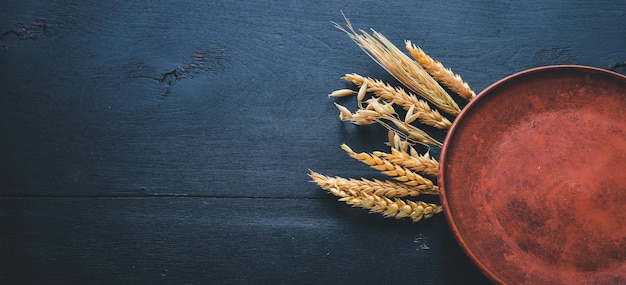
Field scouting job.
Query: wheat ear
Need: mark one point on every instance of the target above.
(419, 163)
(399, 173)
(387, 189)
(421, 110)
(402, 67)
(440, 73)
(396, 208)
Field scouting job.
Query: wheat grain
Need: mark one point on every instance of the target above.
(385, 109)
(344, 113)
(402, 67)
(364, 117)
(393, 140)
(362, 92)
(341, 93)
(409, 114)
(399, 96)
(440, 73)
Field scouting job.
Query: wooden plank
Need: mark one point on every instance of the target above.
(220, 241)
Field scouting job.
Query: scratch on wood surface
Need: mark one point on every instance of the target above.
(205, 61)
(209, 61)
(34, 30)
(556, 55)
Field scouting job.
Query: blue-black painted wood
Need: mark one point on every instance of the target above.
(156, 142)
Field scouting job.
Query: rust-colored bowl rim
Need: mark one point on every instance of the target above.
(450, 139)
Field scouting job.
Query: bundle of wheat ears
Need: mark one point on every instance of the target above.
(411, 170)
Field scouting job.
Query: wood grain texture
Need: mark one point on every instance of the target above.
(120, 122)
(218, 241)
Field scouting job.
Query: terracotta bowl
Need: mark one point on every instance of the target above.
(533, 177)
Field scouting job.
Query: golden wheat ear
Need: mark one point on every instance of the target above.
(381, 188)
(440, 73)
(403, 154)
(390, 208)
(401, 66)
(399, 173)
(423, 164)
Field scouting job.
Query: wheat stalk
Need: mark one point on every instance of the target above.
(387, 189)
(421, 110)
(402, 67)
(408, 131)
(440, 73)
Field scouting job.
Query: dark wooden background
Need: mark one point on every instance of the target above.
(147, 142)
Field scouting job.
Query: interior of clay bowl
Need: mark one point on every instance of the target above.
(533, 177)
